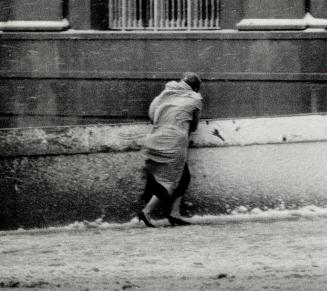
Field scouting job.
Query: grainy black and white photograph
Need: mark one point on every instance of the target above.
(163, 145)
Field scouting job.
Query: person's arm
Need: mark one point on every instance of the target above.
(195, 121)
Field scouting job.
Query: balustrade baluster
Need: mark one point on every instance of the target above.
(113, 21)
(206, 21)
(140, 24)
(173, 13)
(161, 13)
(185, 13)
(217, 13)
(119, 13)
(195, 14)
(124, 15)
(116, 14)
(202, 13)
(179, 14)
(129, 14)
(150, 13)
(212, 14)
(155, 16)
(133, 12)
(110, 7)
(166, 14)
(189, 15)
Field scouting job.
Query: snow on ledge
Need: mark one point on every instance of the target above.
(308, 21)
(240, 132)
(19, 25)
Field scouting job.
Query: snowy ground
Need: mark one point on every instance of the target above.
(271, 250)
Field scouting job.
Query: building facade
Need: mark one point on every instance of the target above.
(68, 62)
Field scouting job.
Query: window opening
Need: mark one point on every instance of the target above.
(163, 14)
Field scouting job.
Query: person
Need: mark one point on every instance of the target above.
(174, 115)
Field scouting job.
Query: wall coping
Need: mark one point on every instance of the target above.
(63, 140)
(206, 76)
(224, 34)
(34, 25)
(285, 24)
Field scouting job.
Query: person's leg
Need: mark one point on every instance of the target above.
(175, 210)
(180, 191)
(175, 216)
(158, 195)
(148, 189)
(144, 215)
(151, 205)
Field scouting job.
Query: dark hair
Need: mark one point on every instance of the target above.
(193, 80)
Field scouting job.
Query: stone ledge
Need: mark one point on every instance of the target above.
(34, 25)
(224, 34)
(129, 137)
(282, 24)
(125, 75)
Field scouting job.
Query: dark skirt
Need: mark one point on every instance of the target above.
(152, 187)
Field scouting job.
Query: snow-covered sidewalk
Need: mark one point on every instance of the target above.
(258, 251)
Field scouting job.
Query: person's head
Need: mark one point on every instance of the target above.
(193, 80)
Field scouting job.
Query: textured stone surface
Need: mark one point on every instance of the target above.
(61, 174)
(58, 175)
(319, 8)
(31, 10)
(129, 137)
(46, 190)
(274, 9)
(53, 78)
(50, 190)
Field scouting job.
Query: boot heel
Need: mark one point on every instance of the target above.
(143, 218)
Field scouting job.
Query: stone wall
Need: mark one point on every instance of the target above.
(58, 79)
(58, 175)
(89, 74)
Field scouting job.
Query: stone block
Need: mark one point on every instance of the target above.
(274, 9)
(318, 8)
(46, 10)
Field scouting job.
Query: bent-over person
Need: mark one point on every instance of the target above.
(174, 115)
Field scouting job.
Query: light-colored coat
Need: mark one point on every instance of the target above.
(174, 115)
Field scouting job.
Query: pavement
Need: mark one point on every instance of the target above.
(262, 254)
